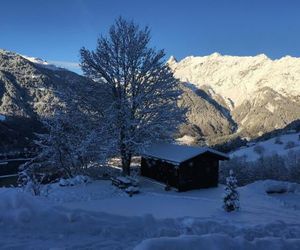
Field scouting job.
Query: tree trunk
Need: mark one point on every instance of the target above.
(126, 160)
(125, 153)
(67, 170)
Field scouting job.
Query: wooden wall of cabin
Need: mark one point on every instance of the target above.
(160, 170)
(199, 172)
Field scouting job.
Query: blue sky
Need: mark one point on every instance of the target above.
(55, 30)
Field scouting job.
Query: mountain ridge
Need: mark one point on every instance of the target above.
(224, 72)
(258, 93)
(29, 88)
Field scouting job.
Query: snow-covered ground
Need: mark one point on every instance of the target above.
(270, 147)
(97, 215)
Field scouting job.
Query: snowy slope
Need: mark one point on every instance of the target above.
(269, 147)
(236, 78)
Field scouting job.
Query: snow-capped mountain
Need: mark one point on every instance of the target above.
(255, 94)
(236, 78)
(42, 63)
(227, 96)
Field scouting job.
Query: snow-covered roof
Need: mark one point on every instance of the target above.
(178, 153)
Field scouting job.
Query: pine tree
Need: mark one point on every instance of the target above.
(231, 196)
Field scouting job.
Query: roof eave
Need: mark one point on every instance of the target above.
(161, 159)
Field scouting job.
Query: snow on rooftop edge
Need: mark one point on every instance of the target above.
(177, 153)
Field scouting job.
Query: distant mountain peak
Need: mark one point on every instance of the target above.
(37, 61)
(172, 60)
(238, 77)
(42, 63)
(255, 93)
(215, 54)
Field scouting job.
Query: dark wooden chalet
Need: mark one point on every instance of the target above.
(182, 167)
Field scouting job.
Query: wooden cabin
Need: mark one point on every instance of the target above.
(182, 167)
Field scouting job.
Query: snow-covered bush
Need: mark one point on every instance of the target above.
(231, 196)
(271, 167)
(289, 145)
(276, 187)
(241, 168)
(259, 149)
(32, 177)
(278, 140)
(30, 180)
(292, 162)
(275, 167)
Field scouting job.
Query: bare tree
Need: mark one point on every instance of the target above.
(67, 143)
(144, 92)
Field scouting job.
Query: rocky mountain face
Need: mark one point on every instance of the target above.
(205, 115)
(231, 96)
(29, 90)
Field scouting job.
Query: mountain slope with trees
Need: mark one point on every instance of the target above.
(30, 91)
(227, 97)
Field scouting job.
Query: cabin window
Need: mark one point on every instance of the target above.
(191, 164)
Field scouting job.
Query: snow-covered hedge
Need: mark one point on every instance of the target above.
(275, 167)
(273, 187)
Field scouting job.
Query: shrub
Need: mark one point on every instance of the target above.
(290, 144)
(275, 167)
(259, 149)
(278, 140)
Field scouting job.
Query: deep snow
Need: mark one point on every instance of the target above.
(99, 216)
